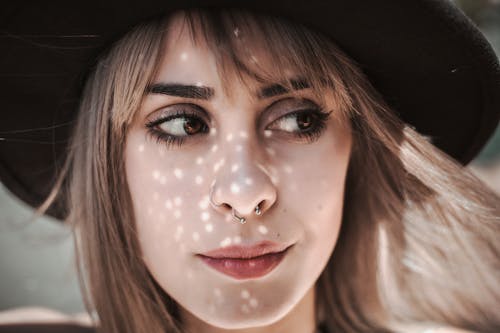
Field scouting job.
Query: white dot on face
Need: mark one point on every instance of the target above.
(178, 173)
(262, 229)
(177, 201)
(214, 148)
(177, 214)
(184, 56)
(243, 135)
(229, 137)
(253, 302)
(156, 174)
(245, 309)
(235, 167)
(245, 294)
(141, 148)
(198, 180)
(239, 147)
(196, 236)
(213, 131)
(209, 227)
(225, 242)
(268, 133)
(248, 181)
(203, 204)
(199, 160)
(287, 168)
(270, 151)
(205, 216)
(237, 240)
(168, 204)
(235, 188)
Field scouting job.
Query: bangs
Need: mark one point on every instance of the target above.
(255, 48)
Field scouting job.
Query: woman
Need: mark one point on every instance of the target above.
(231, 171)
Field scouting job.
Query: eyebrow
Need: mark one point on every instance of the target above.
(181, 90)
(278, 89)
(206, 93)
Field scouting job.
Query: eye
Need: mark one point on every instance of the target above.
(176, 127)
(306, 124)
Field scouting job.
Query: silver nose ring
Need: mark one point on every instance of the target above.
(242, 220)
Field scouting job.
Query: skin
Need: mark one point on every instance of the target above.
(252, 158)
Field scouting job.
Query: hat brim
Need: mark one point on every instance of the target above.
(427, 59)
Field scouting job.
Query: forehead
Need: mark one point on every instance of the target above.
(190, 57)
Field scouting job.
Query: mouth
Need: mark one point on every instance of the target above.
(246, 262)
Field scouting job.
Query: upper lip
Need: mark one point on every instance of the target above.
(245, 252)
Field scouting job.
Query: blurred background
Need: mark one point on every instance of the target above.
(37, 260)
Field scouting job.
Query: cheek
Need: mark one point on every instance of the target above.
(168, 204)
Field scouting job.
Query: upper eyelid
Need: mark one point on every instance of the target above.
(263, 115)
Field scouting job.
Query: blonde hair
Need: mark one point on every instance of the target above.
(419, 236)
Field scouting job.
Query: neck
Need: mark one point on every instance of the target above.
(301, 319)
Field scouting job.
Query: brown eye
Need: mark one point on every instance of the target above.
(304, 120)
(192, 126)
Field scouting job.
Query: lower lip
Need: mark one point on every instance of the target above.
(246, 268)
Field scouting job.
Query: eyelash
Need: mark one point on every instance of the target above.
(319, 125)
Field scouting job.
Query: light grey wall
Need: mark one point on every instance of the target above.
(36, 260)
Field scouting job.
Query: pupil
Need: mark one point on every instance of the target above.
(191, 126)
(304, 121)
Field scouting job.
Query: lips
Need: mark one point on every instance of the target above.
(246, 262)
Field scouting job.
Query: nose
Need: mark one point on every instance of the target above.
(243, 186)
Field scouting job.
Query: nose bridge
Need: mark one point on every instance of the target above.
(244, 180)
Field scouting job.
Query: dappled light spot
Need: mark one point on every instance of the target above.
(199, 160)
(243, 134)
(229, 137)
(263, 229)
(288, 169)
(141, 148)
(205, 216)
(245, 294)
(163, 180)
(177, 201)
(225, 242)
(184, 56)
(178, 232)
(209, 227)
(236, 239)
(213, 131)
(270, 151)
(168, 204)
(268, 133)
(178, 173)
(198, 180)
(253, 302)
(156, 174)
(235, 188)
(196, 236)
(203, 204)
(245, 308)
(248, 181)
(214, 148)
(235, 167)
(239, 147)
(177, 214)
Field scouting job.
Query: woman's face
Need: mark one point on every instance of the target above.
(255, 150)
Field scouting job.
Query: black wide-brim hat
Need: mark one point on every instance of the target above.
(429, 61)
